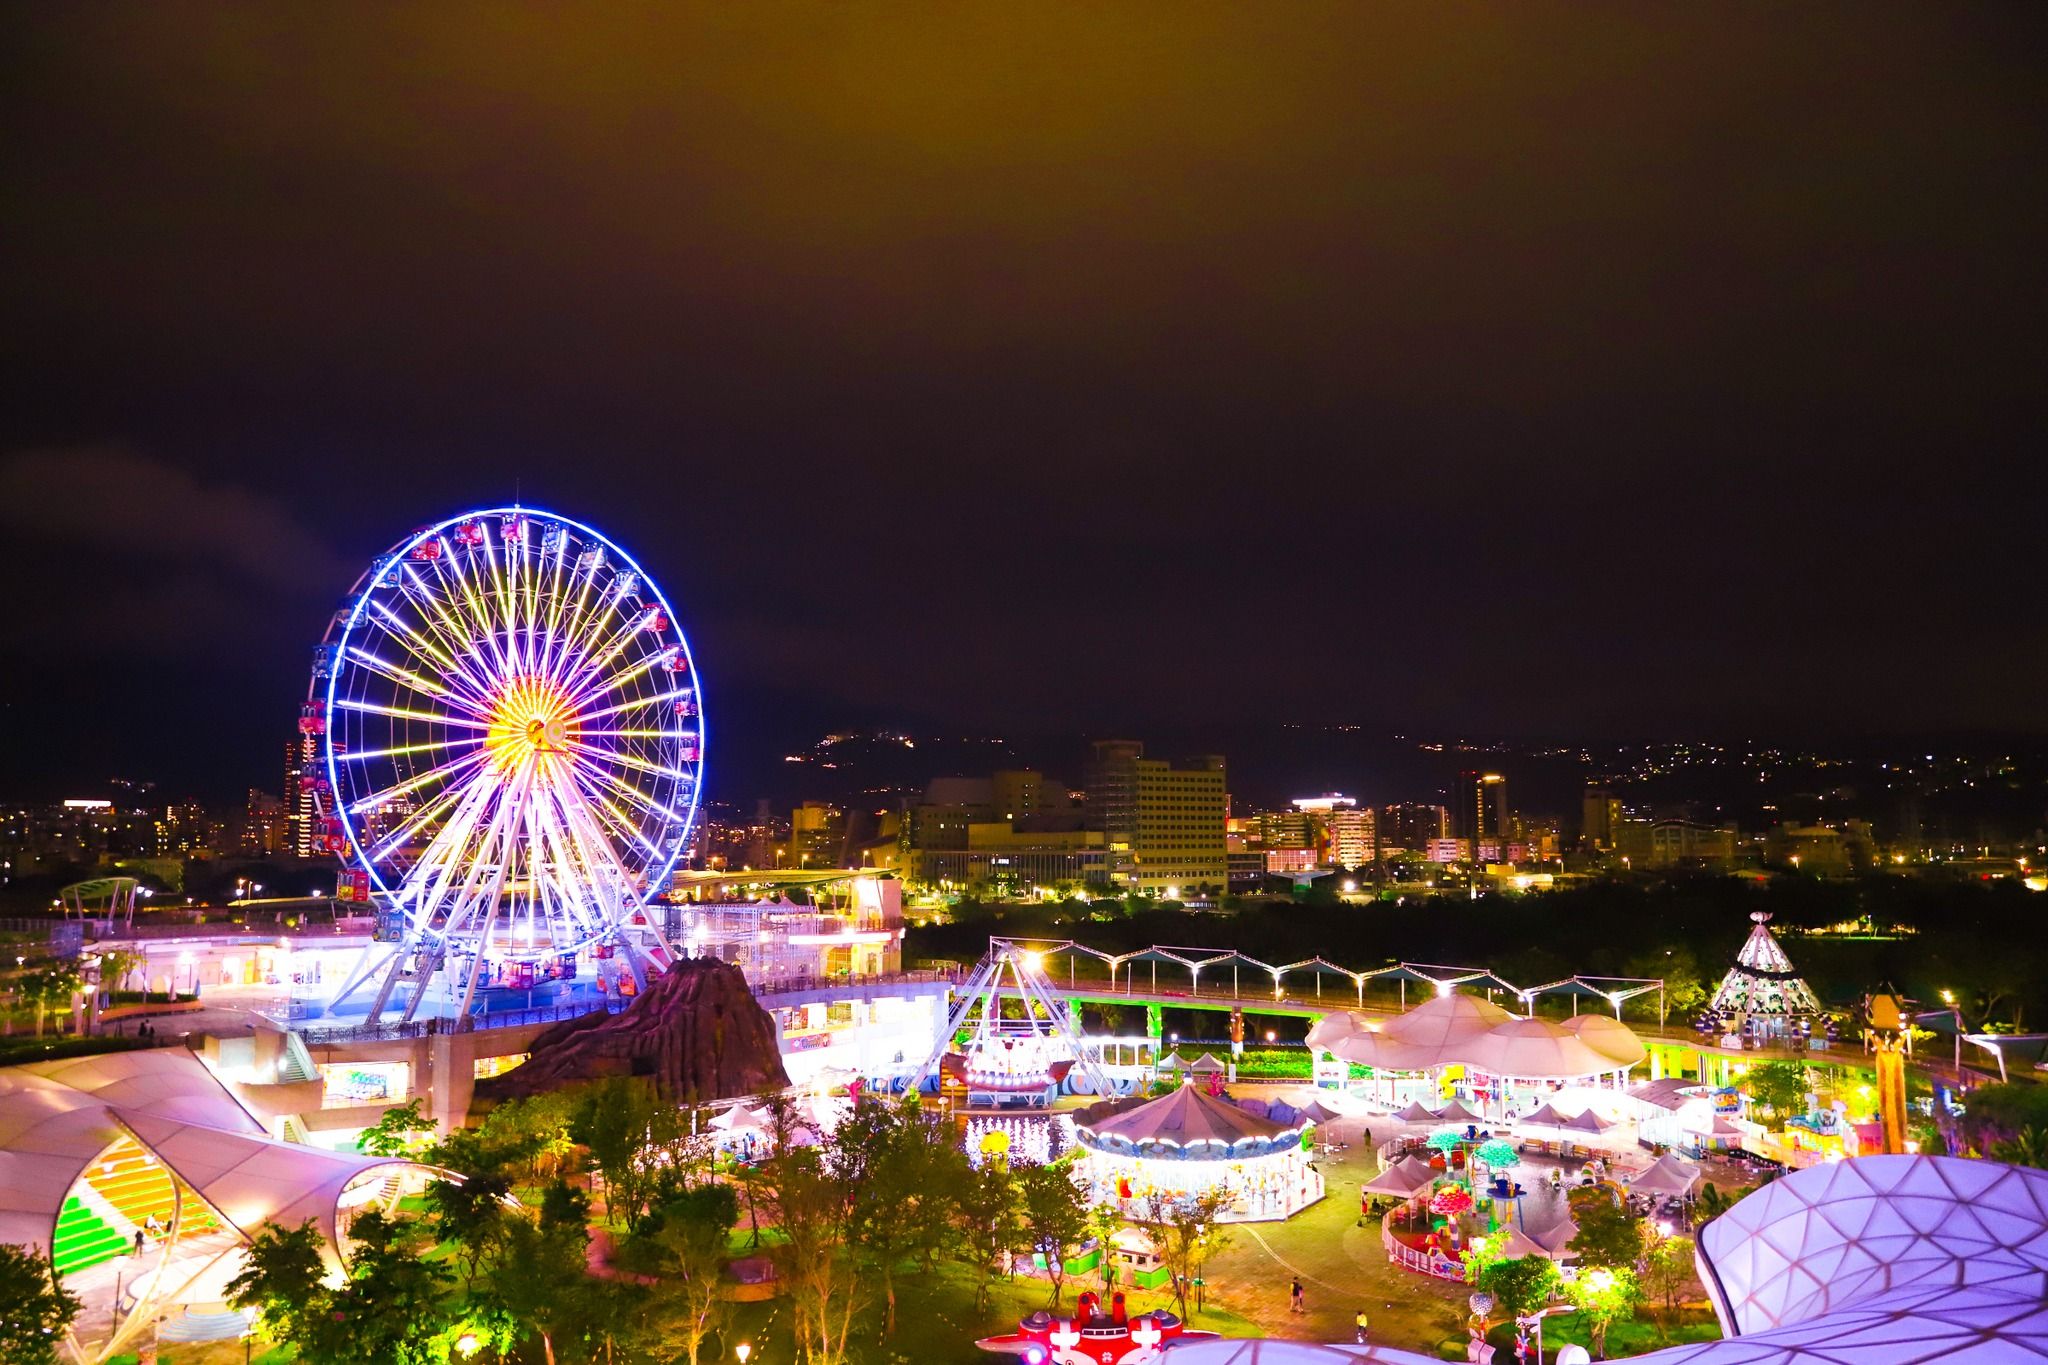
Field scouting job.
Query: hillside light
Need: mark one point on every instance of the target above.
(743, 1350)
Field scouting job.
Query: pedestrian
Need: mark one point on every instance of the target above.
(1296, 1297)
(138, 1241)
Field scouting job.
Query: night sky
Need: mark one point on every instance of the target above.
(1038, 369)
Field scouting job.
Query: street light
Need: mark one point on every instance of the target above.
(467, 1345)
(743, 1350)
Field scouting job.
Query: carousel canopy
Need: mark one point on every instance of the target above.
(1666, 1175)
(1454, 1030)
(1401, 1179)
(1186, 1118)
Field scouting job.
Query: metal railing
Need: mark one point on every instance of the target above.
(576, 1009)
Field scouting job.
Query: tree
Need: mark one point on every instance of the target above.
(689, 1235)
(282, 1278)
(1605, 1295)
(115, 965)
(612, 1122)
(390, 1311)
(883, 1155)
(392, 1308)
(1519, 1286)
(2027, 1147)
(540, 1274)
(1183, 1230)
(47, 987)
(401, 1131)
(1609, 1235)
(1104, 1222)
(35, 1311)
(471, 1213)
(824, 1284)
(1055, 1218)
(1711, 1203)
(986, 1210)
(1668, 1269)
(1778, 1086)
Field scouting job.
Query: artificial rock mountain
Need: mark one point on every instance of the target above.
(696, 1031)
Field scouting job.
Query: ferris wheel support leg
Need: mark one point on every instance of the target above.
(636, 962)
(367, 962)
(397, 969)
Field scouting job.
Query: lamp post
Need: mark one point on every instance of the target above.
(743, 1350)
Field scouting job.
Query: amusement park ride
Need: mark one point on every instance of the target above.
(1097, 1334)
(508, 753)
(1017, 1060)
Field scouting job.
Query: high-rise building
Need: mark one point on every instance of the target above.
(1164, 820)
(301, 766)
(1481, 809)
(1408, 827)
(265, 828)
(1343, 834)
(817, 835)
(1601, 816)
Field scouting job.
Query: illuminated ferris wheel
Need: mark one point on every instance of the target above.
(509, 749)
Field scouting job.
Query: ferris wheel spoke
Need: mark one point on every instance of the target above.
(607, 874)
(627, 790)
(442, 772)
(458, 639)
(633, 761)
(361, 755)
(673, 694)
(570, 642)
(602, 687)
(407, 713)
(476, 620)
(506, 600)
(584, 676)
(622, 823)
(437, 867)
(411, 679)
(426, 651)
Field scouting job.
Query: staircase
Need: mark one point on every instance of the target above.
(84, 1238)
(138, 1187)
(297, 1063)
(191, 1327)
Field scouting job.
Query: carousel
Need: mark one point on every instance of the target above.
(1097, 1334)
(1190, 1143)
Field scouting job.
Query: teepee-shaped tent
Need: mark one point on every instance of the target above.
(1762, 987)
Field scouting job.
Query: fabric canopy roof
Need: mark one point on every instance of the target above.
(1401, 1179)
(1455, 1112)
(1415, 1113)
(1667, 1175)
(57, 1117)
(1454, 1030)
(1207, 1062)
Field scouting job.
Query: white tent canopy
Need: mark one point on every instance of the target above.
(1667, 1175)
(1401, 1179)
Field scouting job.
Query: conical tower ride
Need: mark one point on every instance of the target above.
(1763, 993)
